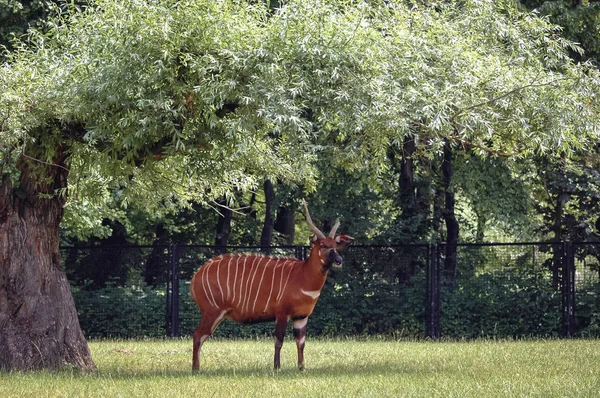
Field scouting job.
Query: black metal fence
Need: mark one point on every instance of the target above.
(467, 291)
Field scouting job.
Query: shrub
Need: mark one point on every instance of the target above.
(121, 311)
(501, 305)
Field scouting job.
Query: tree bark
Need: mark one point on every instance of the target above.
(448, 214)
(38, 321)
(406, 189)
(266, 237)
(285, 223)
(557, 262)
(223, 228)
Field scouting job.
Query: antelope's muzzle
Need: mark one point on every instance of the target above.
(337, 262)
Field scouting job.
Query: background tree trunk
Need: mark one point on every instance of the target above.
(406, 189)
(557, 262)
(448, 214)
(38, 321)
(285, 223)
(223, 227)
(266, 237)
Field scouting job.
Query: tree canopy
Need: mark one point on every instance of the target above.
(193, 99)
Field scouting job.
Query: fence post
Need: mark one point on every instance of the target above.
(432, 295)
(299, 252)
(174, 332)
(168, 305)
(568, 290)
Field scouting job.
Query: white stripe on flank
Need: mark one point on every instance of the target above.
(260, 284)
(245, 292)
(251, 282)
(219, 280)
(279, 264)
(235, 280)
(242, 280)
(291, 267)
(228, 271)
(314, 293)
(281, 281)
(214, 303)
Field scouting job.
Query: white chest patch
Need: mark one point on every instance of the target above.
(314, 294)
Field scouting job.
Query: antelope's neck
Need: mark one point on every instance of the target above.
(314, 268)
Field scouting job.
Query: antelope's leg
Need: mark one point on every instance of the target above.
(300, 336)
(209, 323)
(280, 326)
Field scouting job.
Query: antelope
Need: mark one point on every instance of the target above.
(249, 288)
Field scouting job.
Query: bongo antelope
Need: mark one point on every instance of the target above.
(249, 288)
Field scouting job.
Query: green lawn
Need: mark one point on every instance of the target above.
(346, 368)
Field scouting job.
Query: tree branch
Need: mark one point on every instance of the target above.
(466, 143)
(43, 162)
(507, 94)
(496, 152)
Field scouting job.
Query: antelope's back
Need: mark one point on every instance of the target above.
(247, 285)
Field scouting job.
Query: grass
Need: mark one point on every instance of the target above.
(342, 368)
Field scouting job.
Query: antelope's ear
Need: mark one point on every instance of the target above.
(313, 238)
(343, 241)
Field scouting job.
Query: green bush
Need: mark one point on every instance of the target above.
(121, 311)
(499, 304)
(587, 309)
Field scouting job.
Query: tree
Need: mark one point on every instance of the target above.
(193, 105)
(17, 16)
(193, 100)
(579, 19)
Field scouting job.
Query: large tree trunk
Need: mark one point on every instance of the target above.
(38, 322)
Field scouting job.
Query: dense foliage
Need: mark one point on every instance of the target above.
(489, 306)
(500, 292)
(206, 99)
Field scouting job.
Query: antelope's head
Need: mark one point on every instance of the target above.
(328, 245)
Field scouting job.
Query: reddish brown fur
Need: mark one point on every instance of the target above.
(249, 288)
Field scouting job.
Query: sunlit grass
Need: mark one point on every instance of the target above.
(347, 368)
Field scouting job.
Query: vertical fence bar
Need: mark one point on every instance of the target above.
(432, 294)
(299, 252)
(168, 296)
(572, 323)
(568, 290)
(175, 291)
(564, 289)
(428, 292)
(437, 298)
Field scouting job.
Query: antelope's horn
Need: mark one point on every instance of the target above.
(334, 229)
(316, 230)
